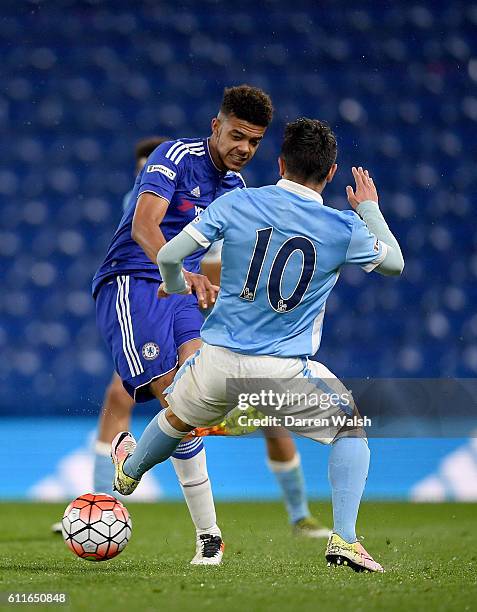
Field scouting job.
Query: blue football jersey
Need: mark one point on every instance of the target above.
(183, 173)
(282, 254)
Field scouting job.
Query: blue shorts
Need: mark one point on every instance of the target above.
(143, 332)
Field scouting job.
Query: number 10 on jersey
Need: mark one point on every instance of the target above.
(277, 301)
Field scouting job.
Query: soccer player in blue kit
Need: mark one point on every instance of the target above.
(118, 404)
(282, 254)
(150, 338)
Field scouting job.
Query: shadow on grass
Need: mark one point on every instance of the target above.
(28, 539)
(75, 567)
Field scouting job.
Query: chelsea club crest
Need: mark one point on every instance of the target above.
(150, 351)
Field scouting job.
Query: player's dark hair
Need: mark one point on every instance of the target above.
(247, 103)
(309, 149)
(146, 146)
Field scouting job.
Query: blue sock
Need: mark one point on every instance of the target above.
(347, 472)
(103, 470)
(157, 443)
(289, 475)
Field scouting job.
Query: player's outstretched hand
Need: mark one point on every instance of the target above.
(205, 291)
(365, 188)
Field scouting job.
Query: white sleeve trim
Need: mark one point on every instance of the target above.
(153, 192)
(196, 235)
(381, 257)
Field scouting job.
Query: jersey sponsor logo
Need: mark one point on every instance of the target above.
(163, 170)
(196, 191)
(150, 351)
(185, 205)
(198, 213)
(376, 246)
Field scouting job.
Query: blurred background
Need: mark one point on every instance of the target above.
(82, 81)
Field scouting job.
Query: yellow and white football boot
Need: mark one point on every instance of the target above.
(340, 552)
(122, 446)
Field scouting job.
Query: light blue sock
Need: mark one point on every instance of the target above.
(103, 470)
(289, 475)
(157, 443)
(347, 472)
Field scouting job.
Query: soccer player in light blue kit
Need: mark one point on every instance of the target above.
(283, 251)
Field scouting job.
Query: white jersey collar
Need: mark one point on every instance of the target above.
(300, 190)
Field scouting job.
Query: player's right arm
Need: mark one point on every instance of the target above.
(149, 213)
(158, 184)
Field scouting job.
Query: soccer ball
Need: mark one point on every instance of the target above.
(96, 527)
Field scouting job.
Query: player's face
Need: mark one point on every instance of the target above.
(235, 141)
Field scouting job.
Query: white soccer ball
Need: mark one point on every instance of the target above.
(96, 527)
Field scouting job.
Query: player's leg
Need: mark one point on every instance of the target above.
(189, 459)
(124, 314)
(115, 417)
(195, 380)
(162, 438)
(284, 462)
(347, 472)
(348, 460)
(190, 464)
(138, 329)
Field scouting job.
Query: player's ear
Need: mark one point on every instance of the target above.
(331, 173)
(214, 124)
(281, 166)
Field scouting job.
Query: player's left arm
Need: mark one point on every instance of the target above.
(205, 229)
(372, 243)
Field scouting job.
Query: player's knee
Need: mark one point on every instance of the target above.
(159, 385)
(188, 349)
(177, 423)
(351, 432)
(353, 427)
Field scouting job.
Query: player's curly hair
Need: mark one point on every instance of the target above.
(248, 103)
(146, 146)
(309, 149)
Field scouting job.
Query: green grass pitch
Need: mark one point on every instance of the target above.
(429, 551)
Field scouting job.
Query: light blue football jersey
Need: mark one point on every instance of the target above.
(282, 254)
